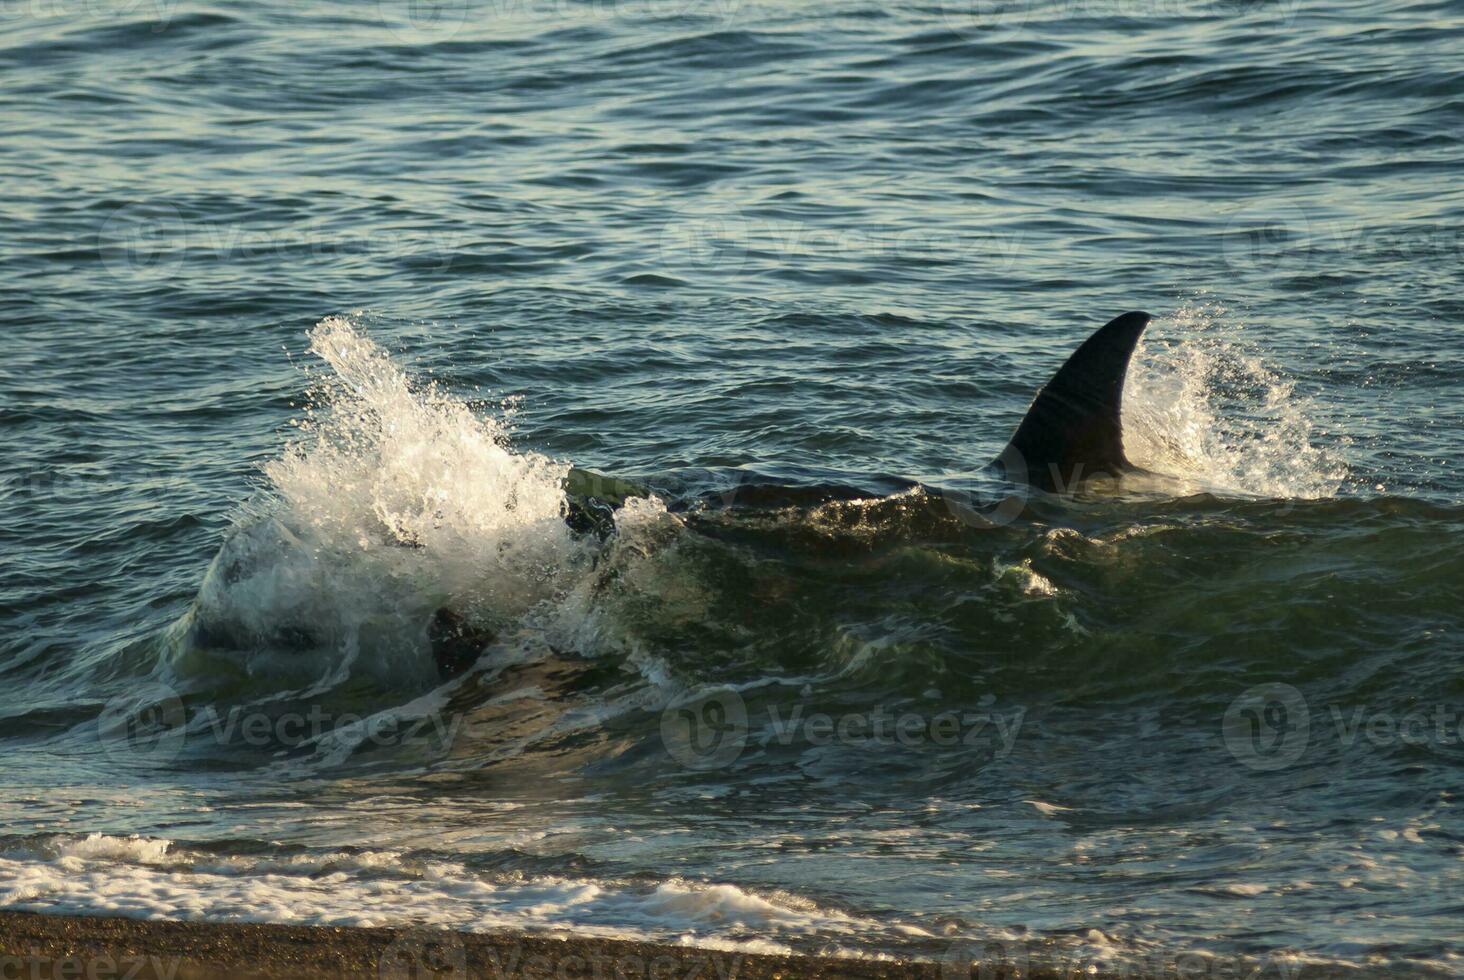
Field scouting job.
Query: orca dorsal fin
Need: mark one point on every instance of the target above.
(1074, 428)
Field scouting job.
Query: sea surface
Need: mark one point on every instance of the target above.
(309, 309)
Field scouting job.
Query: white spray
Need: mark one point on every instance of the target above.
(396, 500)
(1202, 406)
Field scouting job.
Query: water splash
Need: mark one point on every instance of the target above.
(397, 499)
(1200, 404)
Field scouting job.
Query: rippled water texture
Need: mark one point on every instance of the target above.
(312, 309)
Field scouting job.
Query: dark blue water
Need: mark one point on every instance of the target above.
(309, 310)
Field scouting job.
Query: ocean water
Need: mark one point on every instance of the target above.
(310, 310)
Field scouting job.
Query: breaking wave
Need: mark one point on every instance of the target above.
(395, 500)
(154, 878)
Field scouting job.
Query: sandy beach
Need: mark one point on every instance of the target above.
(35, 946)
(47, 947)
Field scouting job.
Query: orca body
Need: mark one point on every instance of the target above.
(1072, 431)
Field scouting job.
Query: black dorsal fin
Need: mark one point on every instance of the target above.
(1074, 428)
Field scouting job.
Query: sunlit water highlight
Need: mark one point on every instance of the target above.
(737, 255)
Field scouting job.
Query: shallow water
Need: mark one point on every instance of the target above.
(311, 311)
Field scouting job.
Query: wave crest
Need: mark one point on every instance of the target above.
(396, 500)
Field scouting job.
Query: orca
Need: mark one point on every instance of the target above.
(1074, 427)
(1072, 431)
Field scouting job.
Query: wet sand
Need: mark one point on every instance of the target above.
(51, 947)
(48, 947)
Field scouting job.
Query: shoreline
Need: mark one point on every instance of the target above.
(42, 946)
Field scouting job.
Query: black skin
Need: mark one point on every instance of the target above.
(456, 645)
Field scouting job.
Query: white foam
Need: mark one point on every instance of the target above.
(1245, 889)
(138, 850)
(1048, 809)
(1201, 404)
(395, 500)
(155, 879)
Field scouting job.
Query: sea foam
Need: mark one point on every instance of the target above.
(1202, 405)
(394, 500)
(153, 878)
